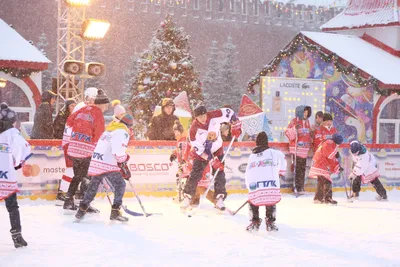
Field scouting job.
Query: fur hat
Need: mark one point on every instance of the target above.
(119, 110)
(101, 98)
(48, 95)
(127, 119)
(327, 117)
(178, 126)
(262, 139)
(7, 114)
(200, 110)
(337, 138)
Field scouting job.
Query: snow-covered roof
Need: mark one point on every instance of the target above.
(367, 57)
(13, 47)
(365, 14)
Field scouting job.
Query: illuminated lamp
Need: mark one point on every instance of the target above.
(94, 29)
(3, 83)
(77, 3)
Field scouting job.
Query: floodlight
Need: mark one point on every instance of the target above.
(94, 29)
(3, 83)
(77, 3)
(74, 67)
(95, 69)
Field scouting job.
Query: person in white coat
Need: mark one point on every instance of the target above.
(14, 150)
(109, 161)
(365, 170)
(264, 169)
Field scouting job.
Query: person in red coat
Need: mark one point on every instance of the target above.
(326, 131)
(87, 126)
(299, 134)
(324, 165)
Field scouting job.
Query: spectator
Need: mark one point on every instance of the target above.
(43, 121)
(161, 126)
(61, 118)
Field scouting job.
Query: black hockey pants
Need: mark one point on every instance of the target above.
(270, 213)
(81, 167)
(300, 173)
(13, 211)
(375, 183)
(324, 189)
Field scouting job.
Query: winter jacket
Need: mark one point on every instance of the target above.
(59, 124)
(43, 122)
(322, 133)
(110, 150)
(160, 127)
(324, 161)
(299, 133)
(87, 125)
(365, 166)
(13, 151)
(264, 167)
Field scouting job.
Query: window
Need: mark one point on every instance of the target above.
(389, 121)
(221, 6)
(255, 6)
(196, 5)
(244, 7)
(232, 6)
(208, 5)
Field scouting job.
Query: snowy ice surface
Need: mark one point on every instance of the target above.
(363, 233)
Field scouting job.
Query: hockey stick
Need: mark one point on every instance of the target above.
(215, 175)
(124, 207)
(295, 166)
(140, 202)
(244, 204)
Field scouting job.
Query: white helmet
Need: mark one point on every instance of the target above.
(91, 92)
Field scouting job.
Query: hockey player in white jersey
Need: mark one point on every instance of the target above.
(264, 168)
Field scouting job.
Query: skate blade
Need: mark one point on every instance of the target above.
(69, 212)
(59, 203)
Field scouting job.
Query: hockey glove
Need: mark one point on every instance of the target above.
(126, 173)
(340, 169)
(217, 164)
(236, 129)
(207, 148)
(337, 155)
(172, 157)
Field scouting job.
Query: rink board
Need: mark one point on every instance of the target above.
(153, 174)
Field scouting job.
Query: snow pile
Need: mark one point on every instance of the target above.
(363, 233)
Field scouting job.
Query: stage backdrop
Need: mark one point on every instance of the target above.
(153, 174)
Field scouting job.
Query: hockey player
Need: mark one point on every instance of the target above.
(184, 156)
(325, 131)
(110, 161)
(365, 170)
(264, 168)
(90, 95)
(299, 134)
(87, 126)
(324, 165)
(14, 150)
(205, 138)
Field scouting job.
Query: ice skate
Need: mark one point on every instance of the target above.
(330, 201)
(219, 204)
(271, 226)
(254, 225)
(92, 210)
(355, 195)
(69, 205)
(18, 239)
(317, 201)
(381, 198)
(185, 206)
(81, 212)
(60, 198)
(116, 214)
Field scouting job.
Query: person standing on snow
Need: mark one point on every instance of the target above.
(87, 126)
(160, 127)
(365, 170)
(324, 165)
(205, 138)
(299, 134)
(110, 161)
(43, 121)
(264, 169)
(14, 150)
(89, 97)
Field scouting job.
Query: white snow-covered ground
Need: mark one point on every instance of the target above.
(364, 233)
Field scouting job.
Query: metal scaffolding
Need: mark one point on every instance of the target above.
(70, 46)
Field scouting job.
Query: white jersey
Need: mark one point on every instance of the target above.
(13, 151)
(110, 149)
(365, 166)
(262, 177)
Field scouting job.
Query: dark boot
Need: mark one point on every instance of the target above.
(382, 195)
(60, 198)
(254, 225)
(69, 203)
(81, 211)
(116, 214)
(18, 239)
(92, 210)
(271, 226)
(330, 201)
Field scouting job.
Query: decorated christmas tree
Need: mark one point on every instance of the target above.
(165, 70)
(212, 79)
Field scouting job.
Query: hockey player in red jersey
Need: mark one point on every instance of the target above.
(299, 134)
(365, 170)
(184, 155)
(326, 131)
(205, 138)
(87, 126)
(324, 165)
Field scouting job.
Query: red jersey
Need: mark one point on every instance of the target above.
(87, 126)
(301, 129)
(323, 133)
(324, 161)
